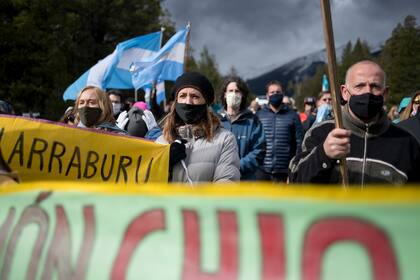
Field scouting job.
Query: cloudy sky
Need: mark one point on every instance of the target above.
(256, 36)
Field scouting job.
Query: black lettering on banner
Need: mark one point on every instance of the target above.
(91, 164)
(146, 177)
(106, 177)
(56, 155)
(17, 149)
(75, 162)
(1, 133)
(138, 167)
(122, 166)
(39, 151)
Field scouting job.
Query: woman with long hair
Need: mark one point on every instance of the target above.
(246, 126)
(201, 150)
(93, 109)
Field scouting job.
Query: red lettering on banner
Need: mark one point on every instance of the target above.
(5, 228)
(35, 215)
(272, 245)
(326, 232)
(228, 235)
(138, 229)
(59, 254)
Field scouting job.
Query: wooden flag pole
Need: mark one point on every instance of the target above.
(332, 73)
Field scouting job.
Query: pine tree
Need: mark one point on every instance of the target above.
(401, 59)
(47, 44)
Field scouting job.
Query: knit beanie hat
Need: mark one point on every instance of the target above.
(197, 81)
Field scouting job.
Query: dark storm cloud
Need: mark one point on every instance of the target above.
(257, 35)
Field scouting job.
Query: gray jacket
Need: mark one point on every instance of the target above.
(215, 161)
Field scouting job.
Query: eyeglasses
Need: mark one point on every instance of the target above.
(417, 101)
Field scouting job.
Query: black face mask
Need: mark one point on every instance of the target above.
(366, 106)
(276, 99)
(89, 116)
(190, 114)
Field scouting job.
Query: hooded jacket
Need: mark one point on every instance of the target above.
(380, 153)
(250, 138)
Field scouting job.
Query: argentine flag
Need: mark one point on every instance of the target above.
(166, 65)
(114, 70)
(325, 84)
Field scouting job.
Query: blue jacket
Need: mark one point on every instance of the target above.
(250, 137)
(283, 132)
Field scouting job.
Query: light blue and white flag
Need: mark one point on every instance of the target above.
(325, 84)
(166, 65)
(114, 70)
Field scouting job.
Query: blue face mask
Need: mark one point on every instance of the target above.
(276, 99)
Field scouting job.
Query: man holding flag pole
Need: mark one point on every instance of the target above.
(361, 136)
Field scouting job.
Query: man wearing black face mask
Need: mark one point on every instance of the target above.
(283, 131)
(376, 151)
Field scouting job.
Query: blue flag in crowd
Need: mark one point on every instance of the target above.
(166, 65)
(114, 70)
(325, 84)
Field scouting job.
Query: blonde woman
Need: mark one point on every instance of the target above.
(94, 110)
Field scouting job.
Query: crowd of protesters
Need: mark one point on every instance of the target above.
(243, 140)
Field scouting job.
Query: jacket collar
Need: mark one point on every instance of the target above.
(241, 115)
(360, 128)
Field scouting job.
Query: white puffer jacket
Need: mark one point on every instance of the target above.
(215, 161)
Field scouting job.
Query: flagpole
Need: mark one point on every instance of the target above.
(332, 73)
(162, 29)
(187, 46)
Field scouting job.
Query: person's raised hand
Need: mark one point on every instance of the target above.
(177, 152)
(122, 120)
(149, 119)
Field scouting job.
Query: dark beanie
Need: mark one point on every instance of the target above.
(197, 81)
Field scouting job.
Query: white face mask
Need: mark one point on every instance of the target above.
(116, 108)
(233, 100)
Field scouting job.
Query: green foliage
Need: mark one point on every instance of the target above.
(47, 44)
(401, 60)
(309, 87)
(207, 66)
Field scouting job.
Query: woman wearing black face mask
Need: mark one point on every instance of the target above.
(201, 150)
(94, 110)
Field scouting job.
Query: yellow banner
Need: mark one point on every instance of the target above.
(42, 150)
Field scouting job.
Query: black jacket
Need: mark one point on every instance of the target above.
(412, 125)
(380, 153)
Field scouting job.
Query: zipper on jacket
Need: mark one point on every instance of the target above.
(364, 156)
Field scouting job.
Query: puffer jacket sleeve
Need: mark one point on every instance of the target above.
(312, 165)
(227, 168)
(257, 143)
